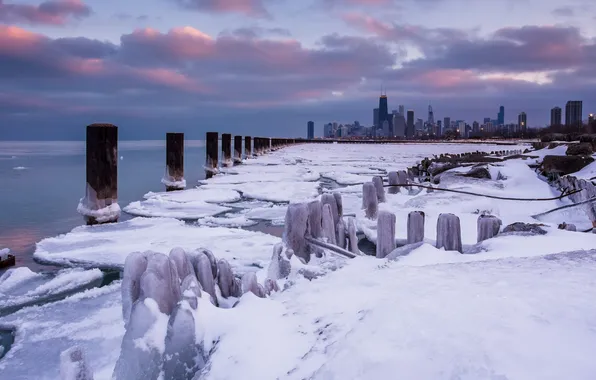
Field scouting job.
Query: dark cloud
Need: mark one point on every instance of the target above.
(565, 11)
(256, 32)
(251, 8)
(52, 12)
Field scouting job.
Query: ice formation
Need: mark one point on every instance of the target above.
(183, 358)
(488, 227)
(378, 182)
(385, 233)
(449, 232)
(393, 179)
(134, 267)
(204, 272)
(295, 229)
(280, 265)
(328, 226)
(315, 219)
(352, 237)
(341, 234)
(330, 200)
(415, 227)
(340, 203)
(369, 200)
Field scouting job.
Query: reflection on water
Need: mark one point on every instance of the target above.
(41, 201)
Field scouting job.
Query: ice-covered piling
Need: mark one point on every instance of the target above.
(205, 275)
(226, 149)
(385, 234)
(295, 230)
(449, 233)
(315, 219)
(212, 150)
(488, 226)
(174, 176)
(378, 182)
(340, 230)
(226, 280)
(393, 179)
(237, 150)
(182, 356)
(250, 284)
(332, 202)
(248, 146)
(402, 178)
(415, 227)
(134, 267)
(100, 203)
(352, 237)
(340, 204)
(280, 266)
(328, 224)
(369, 200)
(73, 365)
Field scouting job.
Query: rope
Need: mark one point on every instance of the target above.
(486, 195)
(334, 249)
(566, 206)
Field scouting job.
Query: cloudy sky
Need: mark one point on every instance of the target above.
(266, 67)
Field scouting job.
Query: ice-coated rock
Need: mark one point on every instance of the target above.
(567, 227)
(183, 357)
(191, 290)
(328, 226)
(525, 228)
(378, 182)
(330, 200)
(280, 266)
(403, 250)
(415, 227)
(182, 261)
(73, 365)
(488, 226)
(139, 359)
(340, 204)
(315, 219)
(225, 280)
(295, 229)
(134, 267)
(205, 275)
(449, 233)
(369, 200)
(385, 234)
(250, 284)
(271, 286)
(352, 237)
(392, 179)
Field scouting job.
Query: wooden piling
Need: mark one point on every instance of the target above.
(247, 146)
(212, 149)
(174, 175)
(237, 150)
(100, 204)
(226, 148)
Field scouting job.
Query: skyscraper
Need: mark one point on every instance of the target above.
(487, 120)
(399, 126)
(386, 131)
(573, 112)
(376, 117)
(475, 127)
(410, 124)
(431, 116)
(590, 118)
(439, 128)
(383, 110)
(501, 116)
(446, 124)
(402, 111)
(522, 122)
(310, 130)
(555, 116)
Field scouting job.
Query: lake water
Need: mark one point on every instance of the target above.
(41, 184)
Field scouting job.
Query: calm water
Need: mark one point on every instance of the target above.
(41, 184)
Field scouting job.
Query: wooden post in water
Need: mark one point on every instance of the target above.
(174, 175)
(100, 204)
(212, 149)
(247, 146)
(226, 148)
(237, 150)
(258, 146)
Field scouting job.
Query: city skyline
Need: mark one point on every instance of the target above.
(193, 65)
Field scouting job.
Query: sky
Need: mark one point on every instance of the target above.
(266, 67)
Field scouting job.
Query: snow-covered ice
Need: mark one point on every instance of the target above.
(159, 207)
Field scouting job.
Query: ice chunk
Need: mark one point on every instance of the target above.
(205, 275)
(415, 227)
(183, 356)
(134, 267)
(332, 202)
(141, 352)
(159, 207)
(182, 262)
(341, 233)
(73, 365)
(370, 200)
(378, 182)
(250, 284)
(212, 195)
(328, 226)
(487, 227)
(225, 279)
(315, 218)
(295, 230)
(385, 233)
(280, 266)
(449, 232)
(352, 237)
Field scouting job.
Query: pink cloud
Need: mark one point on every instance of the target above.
(252, 8)
(51, 12)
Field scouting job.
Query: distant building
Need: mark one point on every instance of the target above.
(501, 116)
(590, 118)
(328, 130)
(376, 117)
(461, 127)
(419, 125)
(475, 127)
(522, 122)
(386, 131)
(410, 124)
(310, 130)
(487, 120)
(399, 125)
(383, 110)
(401, 110)
(439, 128)
(446, 124)
(573, 112)
(555, 116)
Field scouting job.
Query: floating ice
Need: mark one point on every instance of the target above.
(209, 195)
(159, 207)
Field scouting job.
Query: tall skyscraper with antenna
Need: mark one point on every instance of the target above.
(431, 116)
(383, 111)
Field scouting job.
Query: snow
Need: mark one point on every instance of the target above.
(181, 184)
(110, 212)
(588, 172)
(107, 246)
(4, 253)
(14, 277)
(197, 194)
(159, 207)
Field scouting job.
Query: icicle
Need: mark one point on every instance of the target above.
(385, 233)
(340, 204)
(225, 278)
(204, 272)
(415, 227)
